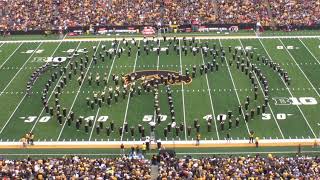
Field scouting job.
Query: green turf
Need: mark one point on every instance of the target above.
(217, 92)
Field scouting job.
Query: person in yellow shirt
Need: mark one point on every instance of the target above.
(198, 139)
(24, 141)
(144, 149)
(31, 137)
(27, 136)
(251, 134)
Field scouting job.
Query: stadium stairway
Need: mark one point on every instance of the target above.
(272, 23)
(154, 172)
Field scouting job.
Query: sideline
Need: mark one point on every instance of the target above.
(150, 38)
(166, 144)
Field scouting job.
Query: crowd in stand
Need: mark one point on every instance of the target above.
(256, 167)
(75, 168)
(250, 167)
(58, 14)
(302, 12)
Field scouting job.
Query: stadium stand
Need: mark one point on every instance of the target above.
(255, 167)
(75, 168)
(54, 15)
(237, 167)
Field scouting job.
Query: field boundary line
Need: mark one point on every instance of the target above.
(10, 55)
(234, 86)
(243, 49)
(109, 74)
(38, 118)
(187, 37)
(304, 117)
(182, 92)
(129, 96)
(74, 100)
(166, 144)
(20, 69)
(210, 97)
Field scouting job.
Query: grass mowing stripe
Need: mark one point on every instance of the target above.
(304, 117)
(182, 92)
(82, 82)
(34, 125)
(299, 67)
(129, 96)
(10, 55)
(211, 102)
(243, 49)
(20, 69)
(234, 86)
(108, 77)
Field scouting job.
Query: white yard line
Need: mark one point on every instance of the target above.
(74, 100)
(109, 74)
(2, 44)
(299, 68)
(182, 92)
(127, 106)
(309, 51)
(53, 90)
(211, 102)
(11, 55)
(20, 69)
(5, 125)
(265, 96)
(158, 62)
(234, 86)
(304, 117)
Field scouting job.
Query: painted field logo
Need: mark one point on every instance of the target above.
(295, 101)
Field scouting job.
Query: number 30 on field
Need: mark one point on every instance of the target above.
(279, 116)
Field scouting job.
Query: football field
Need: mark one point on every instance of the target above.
(229, 72)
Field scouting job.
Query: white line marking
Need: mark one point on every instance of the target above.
(234, 86)
(290, 92)
(109, 74)
(211, 102)
(10, 55)
(129, 96)
(5, 125)
(53, 90)
(309, 52)
(182, 92)
(158, 62)
(299, 67)
(21, 69)
(264, 96)
(74, 101)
